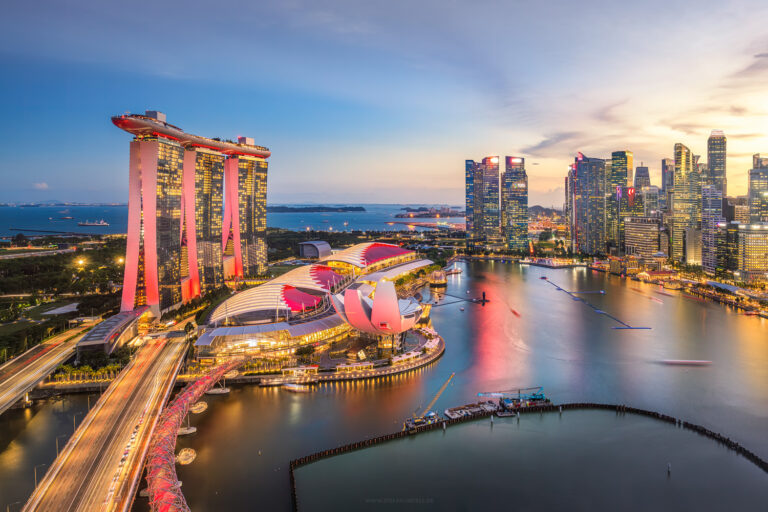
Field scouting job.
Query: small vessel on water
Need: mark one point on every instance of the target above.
(297, 388)
(427, 417)
(686, 362)
(217, 391)
(66, 217)
(510, 401)
(101, 222)
(471, 409)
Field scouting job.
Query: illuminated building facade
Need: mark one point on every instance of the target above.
(758, 189)
(587, 215)
(641, 236)
(630, 204)
(716, 152)
(686, 200)
(176, 191)
(642, 177)
(617, 175)
(727, 249)
(651, 201)
(711, 217)
(753, 252)
(491, 216)
(667, 181)
(514, 204)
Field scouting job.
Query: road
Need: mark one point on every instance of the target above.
(22, 373)
(101, 465)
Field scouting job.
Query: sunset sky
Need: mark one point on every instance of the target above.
(363, 102)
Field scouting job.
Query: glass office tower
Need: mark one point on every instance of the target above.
(716, 153)
(686, 200)
(758, 189)
(588, 205)
(514, 204)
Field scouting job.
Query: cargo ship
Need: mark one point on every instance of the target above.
(101, 222)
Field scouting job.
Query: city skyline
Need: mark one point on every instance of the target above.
(345, 103)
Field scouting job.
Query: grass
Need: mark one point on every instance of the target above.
(278, 270)
(36, 313)
(11, 328)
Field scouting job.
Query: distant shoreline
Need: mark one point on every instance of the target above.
(314, 209)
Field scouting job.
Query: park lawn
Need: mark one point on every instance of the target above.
(278, 270)
(36, 313)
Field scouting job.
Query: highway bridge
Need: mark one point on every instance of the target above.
(21, 374)
(100, 467)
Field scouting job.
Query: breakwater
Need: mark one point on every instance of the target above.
(618, 408)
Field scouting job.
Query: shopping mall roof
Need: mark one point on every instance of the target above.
(297, 290)
(365, 254)
(294, 330)
(395, 272)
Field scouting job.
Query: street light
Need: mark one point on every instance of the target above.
(57, 444)
(74, 424)
(38, 466)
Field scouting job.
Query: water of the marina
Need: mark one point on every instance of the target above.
(245, 439)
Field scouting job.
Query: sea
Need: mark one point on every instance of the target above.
(529, 334)
(46, 220)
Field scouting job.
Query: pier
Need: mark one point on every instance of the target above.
(618, 408)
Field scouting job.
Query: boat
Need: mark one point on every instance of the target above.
(297, 388)
(101, 222)
(686, 362)
(217, 391)
(543, 277)
(672, 285)
(419, 421)
(66, 217)
(453, 271)
(461, 309)
(471, 409)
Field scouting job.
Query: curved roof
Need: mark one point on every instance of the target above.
(298, 289)
(365, 254)
(144, 125)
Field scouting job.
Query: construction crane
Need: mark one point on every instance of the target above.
(426, 417)
(536, 393)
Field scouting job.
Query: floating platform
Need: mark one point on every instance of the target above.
(199, 407)
(185, 431)
(471, 409)
(186, 456)
(217, 391)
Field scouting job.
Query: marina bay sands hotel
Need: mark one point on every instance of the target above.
(197, 212)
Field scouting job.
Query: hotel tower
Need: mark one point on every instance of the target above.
(196, 213)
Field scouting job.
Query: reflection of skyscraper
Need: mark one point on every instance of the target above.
(642, 177)
(514, 204)
(686, 200)
(716, 146)
(711, 217)
(758, 189)
(174, 213)
(587, 221)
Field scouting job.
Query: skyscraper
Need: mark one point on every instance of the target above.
(686, 200)
(514, 204)
(758, 189)
(716, 152)
(667, 181)
(753, 252)
(641, 237)
(491, 219)
(711, 217)
(642, 177)
(587, 223)
(651, 201)
(473, 208)
(617, 174)
(174, 241)
(630, 204)
(727, 249)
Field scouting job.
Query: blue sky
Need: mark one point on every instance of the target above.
(363, 102)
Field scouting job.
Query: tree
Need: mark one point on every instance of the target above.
(20, 239)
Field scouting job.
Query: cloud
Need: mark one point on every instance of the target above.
(548, 142)
(40, 186)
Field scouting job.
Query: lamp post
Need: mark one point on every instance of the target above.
(38, 466)
(74, 424)
(57, 444)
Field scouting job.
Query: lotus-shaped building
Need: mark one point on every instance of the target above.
(382, 315)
